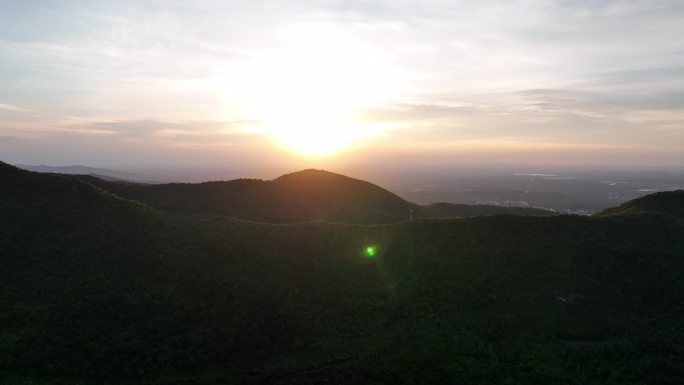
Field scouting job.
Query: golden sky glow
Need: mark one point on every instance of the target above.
(231, 82)
(306, 92)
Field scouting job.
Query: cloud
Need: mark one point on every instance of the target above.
(186, 132)
(9, 107)
(574, 116)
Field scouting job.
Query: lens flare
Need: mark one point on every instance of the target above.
(370, 251)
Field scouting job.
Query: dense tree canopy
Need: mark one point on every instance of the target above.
(96, 288)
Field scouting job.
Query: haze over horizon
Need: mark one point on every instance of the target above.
(299, 84)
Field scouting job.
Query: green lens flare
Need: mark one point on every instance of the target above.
(370, 251)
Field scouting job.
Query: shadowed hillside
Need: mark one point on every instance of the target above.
(666, 203)
(100, 289)
(302, 196)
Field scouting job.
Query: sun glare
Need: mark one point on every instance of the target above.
(316, 134)
(307, 92)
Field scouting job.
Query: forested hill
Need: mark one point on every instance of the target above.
(298, 197)
(665, 203)
(97, 289)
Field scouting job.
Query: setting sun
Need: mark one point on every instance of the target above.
(307, 93)
(316, 133)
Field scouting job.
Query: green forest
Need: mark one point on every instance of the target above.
(274, 282)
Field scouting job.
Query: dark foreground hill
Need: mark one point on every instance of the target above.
(665, 203)
(96, 289)
(303, 196)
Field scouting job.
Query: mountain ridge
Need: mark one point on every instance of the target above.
(301, 196)
(319, 187)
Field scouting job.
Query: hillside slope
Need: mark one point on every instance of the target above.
(308, 195)
(100, 289)
(664, 203)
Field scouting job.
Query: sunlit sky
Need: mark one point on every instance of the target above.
(311, 83)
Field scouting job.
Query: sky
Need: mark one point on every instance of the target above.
(320, 83)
